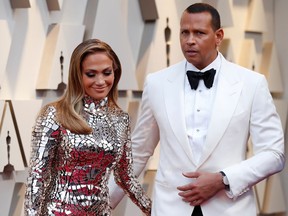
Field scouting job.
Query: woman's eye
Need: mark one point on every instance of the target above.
(89, 74)
(107, 73)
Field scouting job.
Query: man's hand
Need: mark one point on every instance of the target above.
(204, 186)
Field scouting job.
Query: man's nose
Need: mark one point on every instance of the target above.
(191, 39)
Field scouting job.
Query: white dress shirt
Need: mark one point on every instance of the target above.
(198, 105)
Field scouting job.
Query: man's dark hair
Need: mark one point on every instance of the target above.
(203, 7)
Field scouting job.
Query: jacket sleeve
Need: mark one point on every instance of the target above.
(125, 178)
(45, 136)
(267, 139)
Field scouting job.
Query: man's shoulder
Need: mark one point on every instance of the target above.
(241, 70)
(168, 70)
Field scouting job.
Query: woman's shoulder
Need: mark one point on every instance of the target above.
(48, 109)
(46, 121)
(119, 113)
(47, 113)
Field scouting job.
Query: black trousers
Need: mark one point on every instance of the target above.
(197, 211)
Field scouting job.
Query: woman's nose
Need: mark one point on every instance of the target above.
(99, 80)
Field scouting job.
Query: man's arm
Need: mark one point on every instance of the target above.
(268, 147)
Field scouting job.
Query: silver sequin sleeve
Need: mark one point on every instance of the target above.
(124, 174)
(45, 136)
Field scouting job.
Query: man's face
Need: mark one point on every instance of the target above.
(198, 40)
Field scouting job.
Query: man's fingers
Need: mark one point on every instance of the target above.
(191, 174)
(183, 188)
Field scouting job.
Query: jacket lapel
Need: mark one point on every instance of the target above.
(174, 102)
(224, 106)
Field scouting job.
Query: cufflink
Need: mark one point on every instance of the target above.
(225, 181)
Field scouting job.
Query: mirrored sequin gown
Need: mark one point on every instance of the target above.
(69, 172)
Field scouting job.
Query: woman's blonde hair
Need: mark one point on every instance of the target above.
(71, 103)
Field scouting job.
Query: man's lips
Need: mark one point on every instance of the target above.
(191, 52)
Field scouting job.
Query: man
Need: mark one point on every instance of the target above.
(204, 130)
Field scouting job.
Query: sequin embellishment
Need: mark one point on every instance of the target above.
(69, 172)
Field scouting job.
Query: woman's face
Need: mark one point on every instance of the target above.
(98, 75)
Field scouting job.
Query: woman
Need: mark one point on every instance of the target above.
(78, 140)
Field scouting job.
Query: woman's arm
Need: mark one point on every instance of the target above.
(125, 178)
(45, 136)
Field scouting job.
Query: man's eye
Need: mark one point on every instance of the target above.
(184, 32)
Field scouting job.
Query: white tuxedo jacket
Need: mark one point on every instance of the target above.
(242, 107)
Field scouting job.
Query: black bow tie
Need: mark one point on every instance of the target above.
(207, 76)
